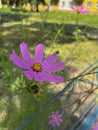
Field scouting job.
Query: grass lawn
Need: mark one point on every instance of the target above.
(49, 28)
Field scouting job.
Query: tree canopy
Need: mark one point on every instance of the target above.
(21, 2)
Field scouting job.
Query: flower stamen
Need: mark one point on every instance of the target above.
(37, 67)
(55, 118)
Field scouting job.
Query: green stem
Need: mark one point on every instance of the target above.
(77, 20)
(79, 76)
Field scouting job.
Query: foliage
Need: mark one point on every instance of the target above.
(17, 96)
(21, 2)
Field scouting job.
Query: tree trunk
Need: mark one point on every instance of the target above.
(37, 9)
(37, 4)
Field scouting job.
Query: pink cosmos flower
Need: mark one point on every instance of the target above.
(55, 119)
(79, 9)
(73, 70)
(95, 126)
(38, 68)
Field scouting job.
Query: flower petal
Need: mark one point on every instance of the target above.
(56, 67)
(82, 8)
(38, 76)
(29, 74)
(18, 61)
(53, 78)
(50, 60)
(72, 7)
(84, 11)
(57, 123)
(53, 123)
(25, 53)
(95, 127)
(39, 53)
(32, 74)
(77, 9)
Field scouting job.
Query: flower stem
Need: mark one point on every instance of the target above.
(79, 76)
(77, 20)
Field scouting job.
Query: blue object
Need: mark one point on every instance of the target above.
(90, 119)
(88, 116)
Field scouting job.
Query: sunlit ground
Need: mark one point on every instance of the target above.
(49, 28)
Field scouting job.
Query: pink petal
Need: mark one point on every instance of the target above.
(29, 74)
(25, 53)
(77, 9)
(84, 11)
(39, 53)
(52, 78)
(38, 76)
(60, 120)
(72, 7)
(56, 67)
(50, 122)
(95, 128)
(57, 123)
(82, 8)
(50, 60)
(18, 61)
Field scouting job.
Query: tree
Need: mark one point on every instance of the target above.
(36, 3)
(32, 2)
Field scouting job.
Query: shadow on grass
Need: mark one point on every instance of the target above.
(50, 33)
(11, 17)
(18, 106)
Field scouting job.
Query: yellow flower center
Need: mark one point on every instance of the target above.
(37, 67)
(55, 118)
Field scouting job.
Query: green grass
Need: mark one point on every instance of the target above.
(33, 28)
(8, 10)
